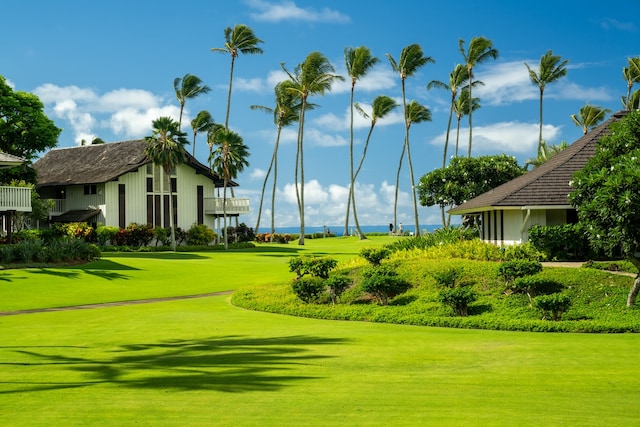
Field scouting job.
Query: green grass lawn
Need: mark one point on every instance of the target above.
(205, 362)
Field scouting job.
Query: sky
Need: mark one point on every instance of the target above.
(106, 69)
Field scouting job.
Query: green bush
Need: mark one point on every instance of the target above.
(200, 235)
(441, 236)
(106, 234)
(448, 277)
(308, 289)
(337, 284)
(535, 285)
(314, 266)
(458, 298)
(568, 241)
(383, 283)
(552, 306)
(374, 255)
(511, 270)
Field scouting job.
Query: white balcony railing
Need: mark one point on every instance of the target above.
(215, 206)
(15, 199)
(60, 206)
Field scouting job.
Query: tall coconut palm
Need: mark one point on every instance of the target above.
(589, 117)
(188, 87)
(632, 103)
(358, 61)
(239, 39)
(285, 113)
(631, 74)
(461, 107)
(411, 60)
(551, 69)
(313, 76)
(202, 122)
(547, 152)
(165, 148)
(227, 160)
(480, 50)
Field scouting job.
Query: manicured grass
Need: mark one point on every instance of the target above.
(205, 362)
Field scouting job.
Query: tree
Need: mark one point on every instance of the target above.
(631, 75)
(202, 122)
(313, 76)
(25, 131)
(466, 178)
(239, 39)
(589, 117)
(550, 70)
(358, 61)
(285, 113)
(605, 194)
(480, 50)
(461, 107)
(411, 60)
(544, 154)
(166, 149)
(227, 160)
(188, 87)
(634, 101)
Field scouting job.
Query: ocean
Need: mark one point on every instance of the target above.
(338, 230)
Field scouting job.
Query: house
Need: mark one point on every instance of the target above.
(116, 184)
(539, 197)
(12, 199)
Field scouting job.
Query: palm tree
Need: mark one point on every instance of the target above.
(547, 152)
(166, 149)
(480, 50)
(550, 70)
(201, 123)
(227, 160)
(313, 76)
(188, 87)
(358, 62)
(634, 102)
(631, 75)
(285, 113)
(460, 108)
(410, 61)
(239, 39)
(589, 117)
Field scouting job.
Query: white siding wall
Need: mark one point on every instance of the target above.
(512, 227)
(188, 182)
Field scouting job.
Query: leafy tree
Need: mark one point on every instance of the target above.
(313, 76)
(551, 69)
(358, 61)
(188, 87)
(461, 107)
(227, 160)
(411, 60)
(239, 39)
(466, 178)
(589, 117)
(631, 75)
(166, 149)
(606, 195)
(202, 122)
(25, 131)
(480, 50)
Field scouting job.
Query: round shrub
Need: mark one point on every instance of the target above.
(308, 289)
(337, 284)
(552, 306)
(458, 299)
(511, 270)
(200, 235)
(383, 283)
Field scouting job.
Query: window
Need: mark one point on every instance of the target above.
(90, 189)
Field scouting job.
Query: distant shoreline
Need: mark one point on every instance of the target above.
(338, 230)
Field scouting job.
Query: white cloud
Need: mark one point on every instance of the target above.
(322, 139)
(258, 173)
(287, 10)
(612, 23)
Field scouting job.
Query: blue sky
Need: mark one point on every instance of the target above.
(106, 69)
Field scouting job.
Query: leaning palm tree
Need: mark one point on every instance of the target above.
(313, 76)
(461, 107)
(480, 50)
(227, 160)
(166, 149)
(551, 69)
(358, 62)
(589, 117)
(285, 113)
(188, 87)
(410, 61)
(202, 122)
(239, 39)
(631, 74)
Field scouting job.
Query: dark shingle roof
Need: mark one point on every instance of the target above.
(93, 164)
(9, 160)
(546, 185)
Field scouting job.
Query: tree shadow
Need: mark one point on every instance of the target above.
(57, 273)
(102, 264)
(154, 255)
(232, 364)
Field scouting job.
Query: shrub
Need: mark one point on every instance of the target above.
(275, 238)
(308, 289)
(441, 236)
(458, 298)
(448, 278)
(383, 283)
(337, 284)
(314, 266)
(106, 234)
(552, 306)
(536, 285)
(163, 236)
(374, 255)
(511, 270)
(200, 235)
(25, 234)
(568, 241)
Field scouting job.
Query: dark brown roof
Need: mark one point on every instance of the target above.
(98, 163)
(546, 185)
(9, 160)
(80, 215)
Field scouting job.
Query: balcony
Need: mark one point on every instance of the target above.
(60, 206)
(15, 199)
(215, 206)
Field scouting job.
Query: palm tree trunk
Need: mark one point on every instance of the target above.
(226, 119)
(224, 214)
(413, 186)
(395, 203)
(264, 184)
(300, 170)
(355, 175)
(540, 133)
(350, 195)
(171, 225)
(457, 136)
(470, 111)
(446, 141)
(273, 190)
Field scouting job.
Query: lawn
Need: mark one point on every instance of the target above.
(204, 362)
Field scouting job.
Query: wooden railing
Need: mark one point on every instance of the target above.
(215, 206)
(15, 199)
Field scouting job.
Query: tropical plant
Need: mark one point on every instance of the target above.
(589, 117)
(552, 306)
(202, 122)
(165, 148)
(551, 69)
(285, 113)
(410, 61)
(461, 107)
(239, 39)
(634, 102)
(188, 87)
(480, 50)
(313, 76)
(227, 160)
(631, 75)
(358, 61)
(383, 282)
(547, 152)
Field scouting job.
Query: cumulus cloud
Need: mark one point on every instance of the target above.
(288, 11)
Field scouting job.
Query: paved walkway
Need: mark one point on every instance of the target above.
(578, 264)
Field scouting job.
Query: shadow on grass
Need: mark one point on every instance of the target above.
(232, 364)
(154, 255)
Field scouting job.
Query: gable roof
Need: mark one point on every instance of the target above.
(98, 163)
(548, 184)
(9, 160)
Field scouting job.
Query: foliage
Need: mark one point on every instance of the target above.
(106, 234)
(383, 282)
(337, 284)
(134, 235)
(621, 265)
(200, 235)
(535, 285)
(79, 230)
(568, 241)
(374, 255)
(514, 269)
(37, 251)
(308, 289)
(458, 298)
(241, 233)
(552, 306)
(475, 249)
(438, 237)
(314, 266)
(275, 238)
(448, 278)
